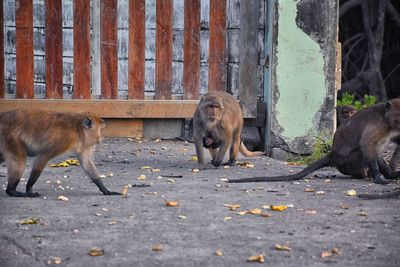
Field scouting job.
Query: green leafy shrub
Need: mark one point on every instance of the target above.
(348, 99)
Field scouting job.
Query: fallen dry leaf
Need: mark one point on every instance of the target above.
(142, 177)
(232, 207)
(363, 213)
(242, 212)
(32, 220)
(266, 215)
(320, 193)
(54, 260)
(172, 203)
(62, 198)
(145, 167)
(195, 170)
(284, 248)
(278, 207)
(170, 180)
(183, 217)
(155, 170)
(256, 258)
(329, 253)
(157, 247)
(245, 164)
(311, 212)
(309, 190)
(351, 193)
(218, 253)
(344, 206)
(255, 211)
(194, 158)
(112, 223)
(227, 218)
(94, 252)
(124, 192)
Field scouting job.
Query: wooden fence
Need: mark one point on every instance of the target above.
(135, 106)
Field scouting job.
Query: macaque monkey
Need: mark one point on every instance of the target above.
(45, 135)
(343, 113)
(217, 125)
(356, 146)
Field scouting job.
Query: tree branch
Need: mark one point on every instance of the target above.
(344, 8)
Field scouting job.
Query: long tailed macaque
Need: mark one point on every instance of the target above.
(356, 146)
(343, 113)
(217, 125)
(45, 135)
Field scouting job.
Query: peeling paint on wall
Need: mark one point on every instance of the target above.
(302, 85)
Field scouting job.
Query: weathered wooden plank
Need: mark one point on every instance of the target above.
(162, 109)
(217, 47)
(136, 56)
(191, 60)
(2, 89)
(24, 44)
(109, 49)
(54, 67)
(248, 82)
(81, 49)
(123, 128)
(95, 48)
(163, 49)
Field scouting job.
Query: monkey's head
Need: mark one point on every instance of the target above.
(392, 114)
(346, 112)
(211, 108)
(92, 126)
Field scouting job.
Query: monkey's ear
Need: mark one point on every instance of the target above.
(388, 105)
(87, 122)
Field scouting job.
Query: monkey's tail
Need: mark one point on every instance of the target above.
(247, 153)
(394, 194)
(324, 162)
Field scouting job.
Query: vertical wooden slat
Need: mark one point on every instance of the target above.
(2, 93)
(248, 54)
(163, 49)
(109, 49)
(24, 48)
(81, 49)
(191, 56)
(95, 48)
(136, 75)
(217, 47)
(54, 71)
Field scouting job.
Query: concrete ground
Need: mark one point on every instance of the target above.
(321, 226)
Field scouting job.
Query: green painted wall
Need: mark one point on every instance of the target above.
(300, 75)
(302, 92)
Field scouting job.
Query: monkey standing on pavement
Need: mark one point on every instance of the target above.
(217, 125)
(356, 146)
(46, 134)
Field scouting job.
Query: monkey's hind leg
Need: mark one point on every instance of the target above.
(15, 170)
(38, 166)
(234, 150)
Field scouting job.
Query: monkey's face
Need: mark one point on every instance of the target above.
(393, 113)
(92, 128)
(213, 109)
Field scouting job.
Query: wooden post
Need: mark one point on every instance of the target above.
(217, 47)
(81, 49)
(248, 53)
(54, 67)
(191, 56)
(95, 48)
(163, 49)
(109, 49)
(24, 45)
(136, 56)
(2, 90)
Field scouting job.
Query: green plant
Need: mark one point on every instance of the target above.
(321, 148)
(348, 99)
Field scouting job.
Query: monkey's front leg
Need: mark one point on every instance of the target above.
(91, 171)
(221, 153)
(198, 142)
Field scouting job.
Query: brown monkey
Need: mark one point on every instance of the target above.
(46, 134)
(217, 125)
(343, 113)
(356, 146)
